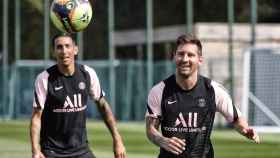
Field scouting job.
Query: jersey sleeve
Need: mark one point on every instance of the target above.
(40, 90)
(224, 103)
(96, 91)
(154, 101)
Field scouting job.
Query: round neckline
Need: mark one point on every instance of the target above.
(67, 76)
(189, 90)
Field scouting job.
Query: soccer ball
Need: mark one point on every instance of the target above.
(71, 15)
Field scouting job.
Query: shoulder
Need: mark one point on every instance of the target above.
(221, 93)
(218, 87)
(158, 87)
(211, 83)
(42, 80)
(91, 74)
(171, 80)
(205, 80)
(88, 69)
(156, 92)
(42, 76)
(52, 69)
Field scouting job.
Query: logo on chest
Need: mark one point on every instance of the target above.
(73, 105)
(169, 102)
(82, 85)
(186, 123)
(58, 88)
(201, 102)
(191, 120)
(77, 101)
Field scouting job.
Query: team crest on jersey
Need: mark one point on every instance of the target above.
(82, 85)
(201, 102)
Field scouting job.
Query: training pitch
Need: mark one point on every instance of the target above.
(14, 142)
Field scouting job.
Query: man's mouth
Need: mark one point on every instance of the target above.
(64, 58)
(185, 66)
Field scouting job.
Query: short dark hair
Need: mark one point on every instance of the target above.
(63, 35)
(188, 39)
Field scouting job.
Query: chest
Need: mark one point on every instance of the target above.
(193, 105)
(68, 91)
(183, 102)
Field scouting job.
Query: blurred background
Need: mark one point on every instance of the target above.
(129, 44)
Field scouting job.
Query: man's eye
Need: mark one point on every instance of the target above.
(191, 55)
(58, 47)
(181, 53)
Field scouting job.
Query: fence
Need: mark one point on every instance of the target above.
(131, 91)
(125, 81)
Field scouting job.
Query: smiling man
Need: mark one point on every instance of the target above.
(58, 122)
(184, 106)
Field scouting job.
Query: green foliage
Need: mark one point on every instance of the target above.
(128, 15)
(38, 5)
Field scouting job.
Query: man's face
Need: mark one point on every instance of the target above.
(187, 60)
(65, 50)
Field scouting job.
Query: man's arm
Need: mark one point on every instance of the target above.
(173, 145)
(242, 127)
(35, 127)
(109, 119)
(232, 113)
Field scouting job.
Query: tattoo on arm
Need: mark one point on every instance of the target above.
(152, 130)
(107, 115)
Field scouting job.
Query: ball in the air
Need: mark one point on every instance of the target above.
(71, 15)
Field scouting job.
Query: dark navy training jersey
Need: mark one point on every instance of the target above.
(189, 114)
(63, 100)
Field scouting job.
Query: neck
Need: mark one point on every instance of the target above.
(186, 82)
(67, 70)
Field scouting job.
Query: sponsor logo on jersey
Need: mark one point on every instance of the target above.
(72, 106)
(187, 124)
(191, 121)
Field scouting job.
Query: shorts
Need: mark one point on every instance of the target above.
(88, 154)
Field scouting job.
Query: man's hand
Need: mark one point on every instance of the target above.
(173, 145)
(250, 133)
(243, 128)
(38, 154)
(119, 150)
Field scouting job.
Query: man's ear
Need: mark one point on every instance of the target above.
(76, 50)
(53, 55)
(200, 60)
(172, 56)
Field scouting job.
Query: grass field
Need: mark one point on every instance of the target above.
(14, 142)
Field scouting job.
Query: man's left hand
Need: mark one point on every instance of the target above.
(119, 150)
(250, 133)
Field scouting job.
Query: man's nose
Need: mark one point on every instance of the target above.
(185, 57)
(63, 49)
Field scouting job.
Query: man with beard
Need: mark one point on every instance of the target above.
(184, 106)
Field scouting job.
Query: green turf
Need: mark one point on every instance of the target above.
(14, 142)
